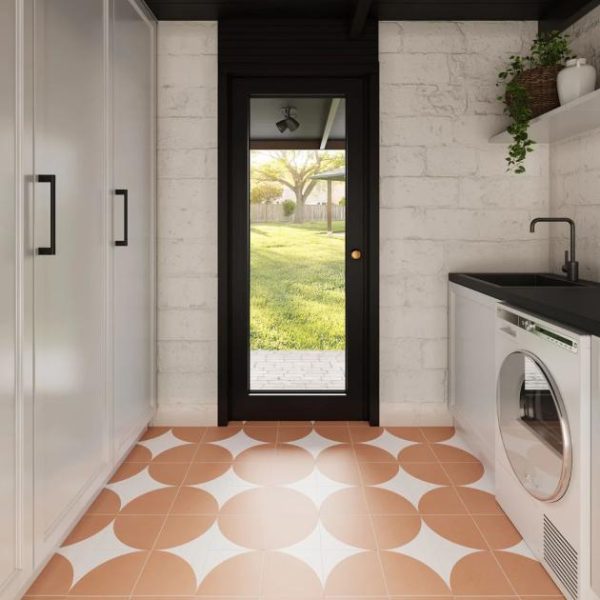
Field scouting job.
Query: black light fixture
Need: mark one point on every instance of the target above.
(288, 123)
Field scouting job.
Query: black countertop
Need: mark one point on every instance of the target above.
(577, 307)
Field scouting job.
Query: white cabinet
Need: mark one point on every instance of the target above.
(15, 416)
(133, 275)
(472, 369)
(76, 310)
(70, 283)
(595, 469)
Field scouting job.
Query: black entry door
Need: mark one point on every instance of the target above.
(298, 250)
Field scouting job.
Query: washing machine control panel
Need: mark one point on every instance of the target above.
(537, 329)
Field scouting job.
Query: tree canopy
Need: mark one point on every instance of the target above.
(295, 169)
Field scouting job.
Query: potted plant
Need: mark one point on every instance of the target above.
(530, 90)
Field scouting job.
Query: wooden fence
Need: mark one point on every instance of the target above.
(273, 213)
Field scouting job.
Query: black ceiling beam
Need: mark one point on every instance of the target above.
(551, 14)
(562, 13)
(359, 20)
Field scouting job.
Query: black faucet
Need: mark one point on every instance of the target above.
(571, 266)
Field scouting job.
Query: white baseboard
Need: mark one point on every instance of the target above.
(408, 414)
(185, 415)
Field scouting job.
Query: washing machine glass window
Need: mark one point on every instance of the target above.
(533, 426)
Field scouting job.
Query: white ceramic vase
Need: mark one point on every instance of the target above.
(575, 80)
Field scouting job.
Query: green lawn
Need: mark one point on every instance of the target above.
(297, 287)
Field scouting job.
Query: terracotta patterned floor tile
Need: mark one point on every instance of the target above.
(293, 433)
(193, 435)
(166, 574)
(139, 454)
(464, 473)
(107, 502)
(374, 473)
(392, 531)
(385, 502)
(336, 434)
(358, 575)
(88, 525)
(113, 577)
(350, 501)
(138, 531)
(168, 473)
(243, 530)
(460, 529)
(262, 433)
(286, 519)
(479, 502)
(192, 501)
(157, 502)
(442, 501)
(446, 453)
(153, 432)
(55, 579)
(405, 575)
(213, 434)
(339, 463)
(127, 470)
(238, 576)
(417, 453)
(201, 472)
(437, 434)
(368, 453)
(181, 529)
(411, 434)
(479, 574)
(430, 472)
(212, 453)
(360, 435)
(498, 531)
(285, 576)
(271, 464)
(180, 454)
(527, 576)
(355, 530)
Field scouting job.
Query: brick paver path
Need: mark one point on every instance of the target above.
(297, 370)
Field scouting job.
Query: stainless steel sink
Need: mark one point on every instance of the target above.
(525, 280)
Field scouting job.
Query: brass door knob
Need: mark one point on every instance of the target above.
(356, 254)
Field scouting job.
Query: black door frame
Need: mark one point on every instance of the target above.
(313, 408)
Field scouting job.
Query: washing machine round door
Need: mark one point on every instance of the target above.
(533, 426)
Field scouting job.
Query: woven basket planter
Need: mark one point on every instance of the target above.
(540, 85)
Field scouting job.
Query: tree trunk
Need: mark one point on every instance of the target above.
(329, 202)
(299, 212)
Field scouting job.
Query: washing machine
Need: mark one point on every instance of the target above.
(543, 442)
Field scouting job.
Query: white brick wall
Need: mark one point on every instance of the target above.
(575, 171)
(187, 222)
(447, 203)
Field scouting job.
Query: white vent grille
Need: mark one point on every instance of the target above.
(561, 557)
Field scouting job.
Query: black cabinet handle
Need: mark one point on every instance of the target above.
(51, 179)
(125, 240)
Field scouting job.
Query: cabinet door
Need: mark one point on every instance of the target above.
(71, 442)
(9, 435)
(133, 81)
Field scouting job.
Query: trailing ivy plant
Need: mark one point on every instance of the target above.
(548, 48)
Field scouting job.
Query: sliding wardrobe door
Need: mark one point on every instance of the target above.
(132, 97)
(15, 432)
(70, 247)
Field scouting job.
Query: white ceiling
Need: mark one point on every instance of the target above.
(311, 113)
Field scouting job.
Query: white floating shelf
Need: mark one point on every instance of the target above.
(578, 116)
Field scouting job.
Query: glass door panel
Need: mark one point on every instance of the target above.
(297, 236)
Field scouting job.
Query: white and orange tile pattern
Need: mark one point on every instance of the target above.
(296, 510)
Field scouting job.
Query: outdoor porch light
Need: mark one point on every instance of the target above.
(288, 122)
